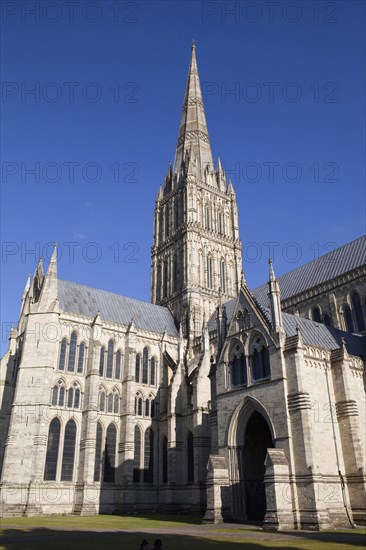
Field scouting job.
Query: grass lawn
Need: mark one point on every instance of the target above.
(176, 532)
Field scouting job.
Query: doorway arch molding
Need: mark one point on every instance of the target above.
(240, 419)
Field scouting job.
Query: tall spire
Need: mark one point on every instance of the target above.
(193, 132)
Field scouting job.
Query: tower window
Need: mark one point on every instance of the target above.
(348, 318)
(357, 308)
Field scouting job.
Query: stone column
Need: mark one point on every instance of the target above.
(217, 490)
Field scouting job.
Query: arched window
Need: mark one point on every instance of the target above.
(137, 456)
(81, 358)
(327, 319)
(98, 452)
(110, 359)
(110, 453)
(238, 367)
(53, 444)
(315, 312)
(145, 366)
(101, 361)
(176, 213)
(357, 308)
(207, 217)
(70, 398)
(167, 221)
(138, 404)
(137, 368)
(161, 225)
(54, 396)
(77, 398)
(222, 276)
(165, 460)
(209, 272)
(174, 273)
(219, 223)
(58, 394)
(190, 458)
(68, 456)
(158, 282)
(149, 456)
(62, 358)
(72, 352)
(116, 402)
(61, 396)
(110, 403)
(260, 365)
(348, 318)
(147, 407)
(117, 373)
(165, 279)
(101, 401)
(152, 371)
(153, 408)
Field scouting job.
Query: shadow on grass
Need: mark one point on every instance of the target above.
(57, 539)
(46, 539)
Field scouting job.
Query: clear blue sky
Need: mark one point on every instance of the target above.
(293, 134)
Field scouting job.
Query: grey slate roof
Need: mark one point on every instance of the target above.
(88, 301)
(323, 336)
(329, 266)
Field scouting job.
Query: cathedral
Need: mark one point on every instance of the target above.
(240, 405)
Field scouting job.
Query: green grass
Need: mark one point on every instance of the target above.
(107, 522)
(84, 533)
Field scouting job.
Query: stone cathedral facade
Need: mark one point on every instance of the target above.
(240, 405)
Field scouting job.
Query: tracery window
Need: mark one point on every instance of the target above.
(145, 366)
(152, 371)
(81, 358)
(101, 400)
(53, 443)
(117, 374)
(58, 394)
(149, 456)
(222, 276)
(238, 366)
(101, 361)
(137, 367)
(98, 452)
(68, 455)
(72, 352)
(73, 396)
(137, 456)
(62, 358)
(209, 272)
(260, 366)
(110, 454)
(110, 355)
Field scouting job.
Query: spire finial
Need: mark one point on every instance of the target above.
(193, 44)
(272, 276)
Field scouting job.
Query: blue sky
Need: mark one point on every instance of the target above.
(284, 92)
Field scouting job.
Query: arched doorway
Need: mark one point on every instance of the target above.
(257, 439)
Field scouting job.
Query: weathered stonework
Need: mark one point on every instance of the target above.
(211, 399)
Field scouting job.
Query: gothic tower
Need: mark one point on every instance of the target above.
(196, 253)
